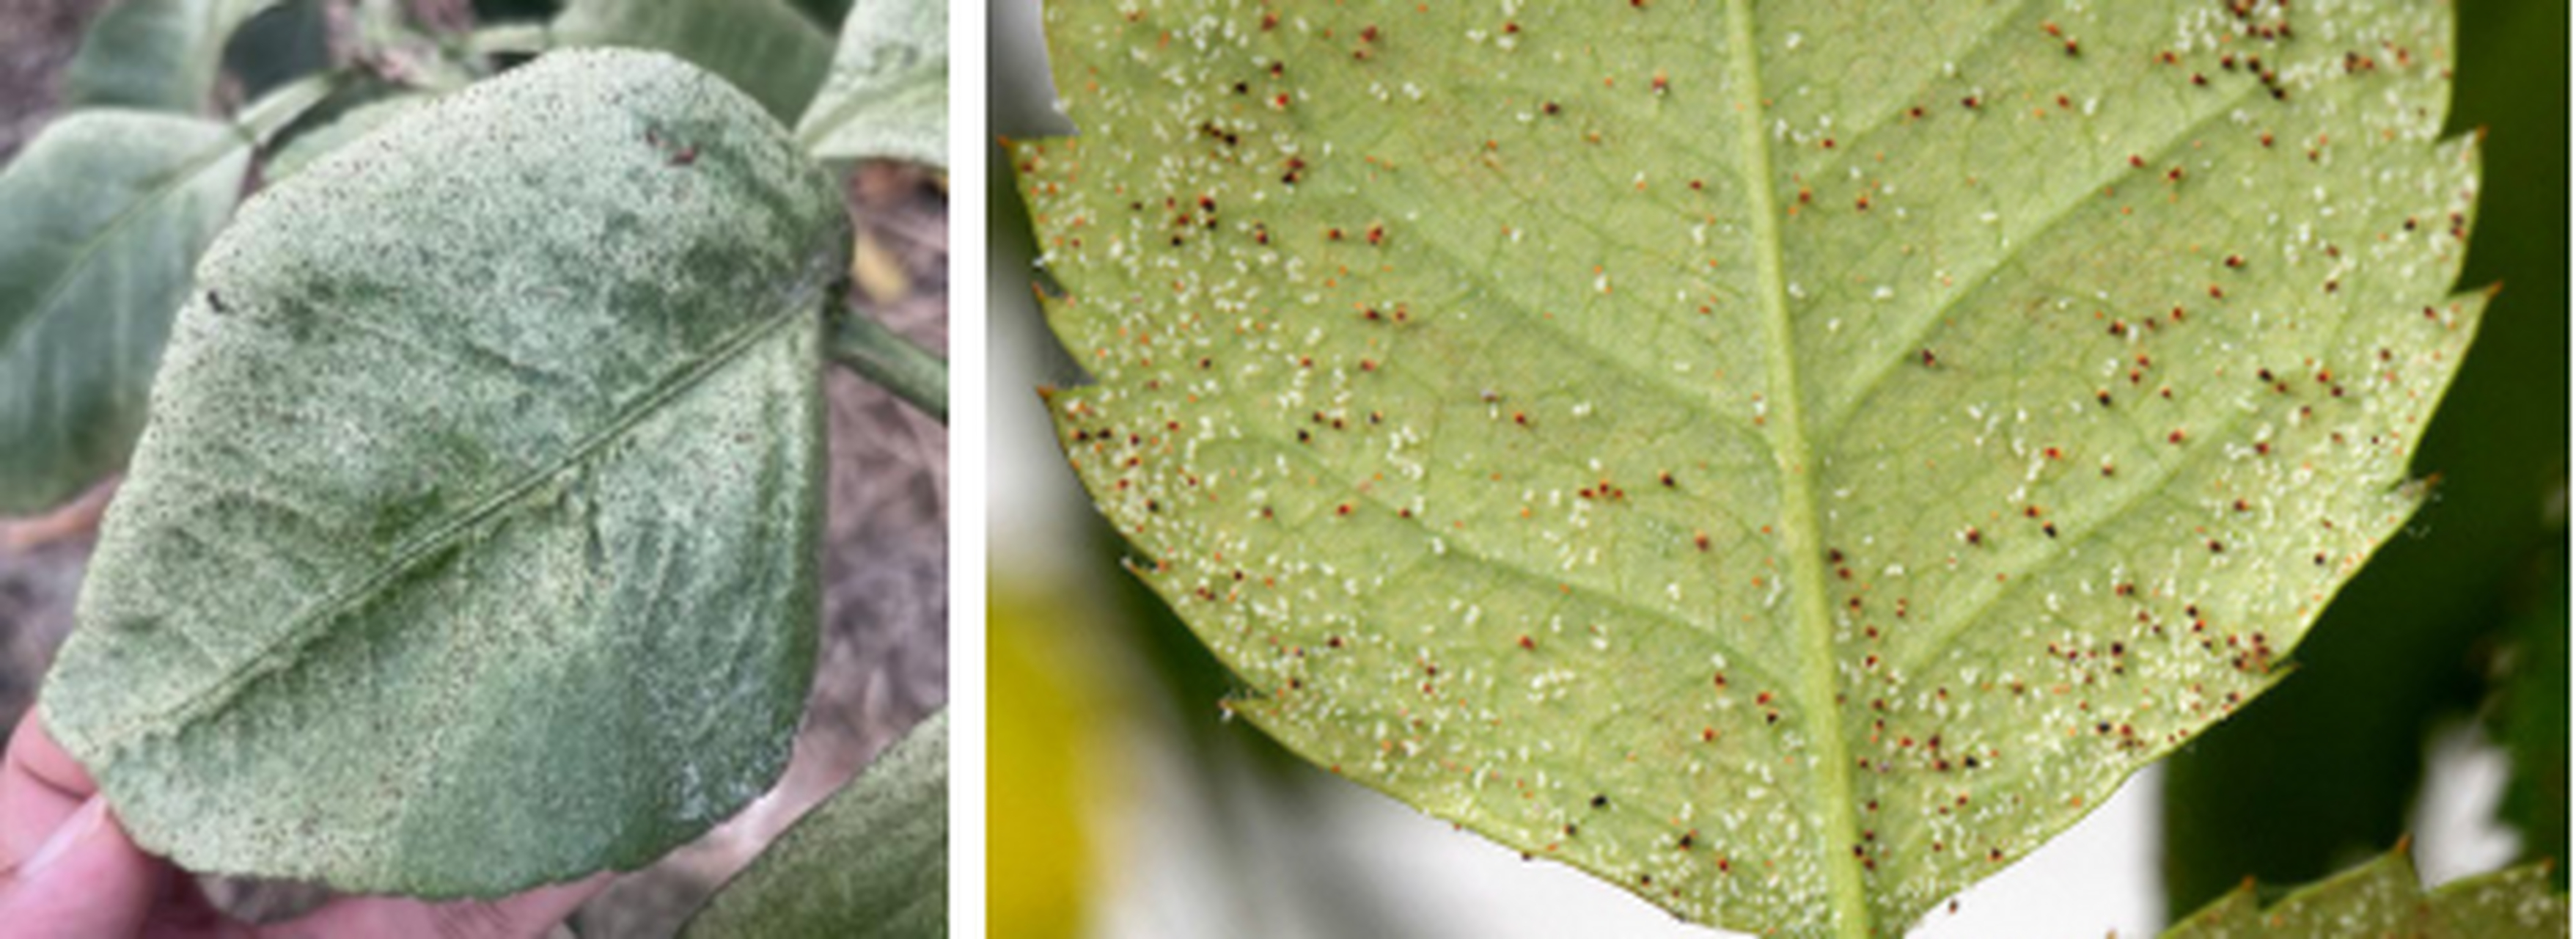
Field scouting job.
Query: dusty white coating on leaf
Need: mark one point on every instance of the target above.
(470, 545)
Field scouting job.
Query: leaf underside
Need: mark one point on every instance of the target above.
(1787, 461)
(470, 545)
(100, 219)
(871, 862)
(2384, 898)
(887, 94)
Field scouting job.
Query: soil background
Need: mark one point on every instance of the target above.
(884, 661)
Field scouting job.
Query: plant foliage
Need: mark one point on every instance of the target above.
(1788, 460)
(471, 542)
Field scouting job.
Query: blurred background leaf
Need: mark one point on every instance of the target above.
(278, 45)
(871, 862)
(767, 49)
(2320, 773)
(2529, 718)
(155, 54)
(886, 96)
(101, 219)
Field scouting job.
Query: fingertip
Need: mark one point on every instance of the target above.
(40, 787)
(88, 880)
(33, 751)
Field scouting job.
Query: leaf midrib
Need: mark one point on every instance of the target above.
(304, 627)
(1833, 795)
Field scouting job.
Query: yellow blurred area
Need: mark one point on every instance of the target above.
(1048, 717)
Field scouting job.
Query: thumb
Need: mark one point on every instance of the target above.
(86, 881)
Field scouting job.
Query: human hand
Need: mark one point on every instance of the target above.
(68, 871)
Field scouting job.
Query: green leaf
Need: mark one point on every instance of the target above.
(100, 218)
(762, 46)
(2384, 898)
(2395, 656)
(2516, 902)
(1786, 468)
(301, 150)
(825, 13)
(2530, 716)
(471, 542)
(887, 94)
(287, 41)
(155, 54)
(871, 861)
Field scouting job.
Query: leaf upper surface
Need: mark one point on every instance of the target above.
(887, 93)
(157, 54)
(762, 46)
(1789, 460)
(300, 151)
(871, 862)
(470, 545)
(101, 218)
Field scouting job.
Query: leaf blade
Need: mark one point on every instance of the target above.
(2385, 898)
(871, 861)
(767, 49)
(155, 54)
(108, 210)
(547, 479)
(887, 93)
(1552, 419)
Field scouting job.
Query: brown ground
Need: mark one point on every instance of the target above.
(885, 641)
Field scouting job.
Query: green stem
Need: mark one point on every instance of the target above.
(261, 120)
(510, 39)
(861, 344)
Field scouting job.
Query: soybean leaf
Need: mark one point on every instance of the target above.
(100, 219)
(871, 861)
(1784, 460)
(887, 94)
(155, 54)
(301, 150)
(762, 46)
(287, 41)
(104, 212)
(2384, 898)
(470, 545)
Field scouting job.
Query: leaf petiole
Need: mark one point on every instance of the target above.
(864, 346)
